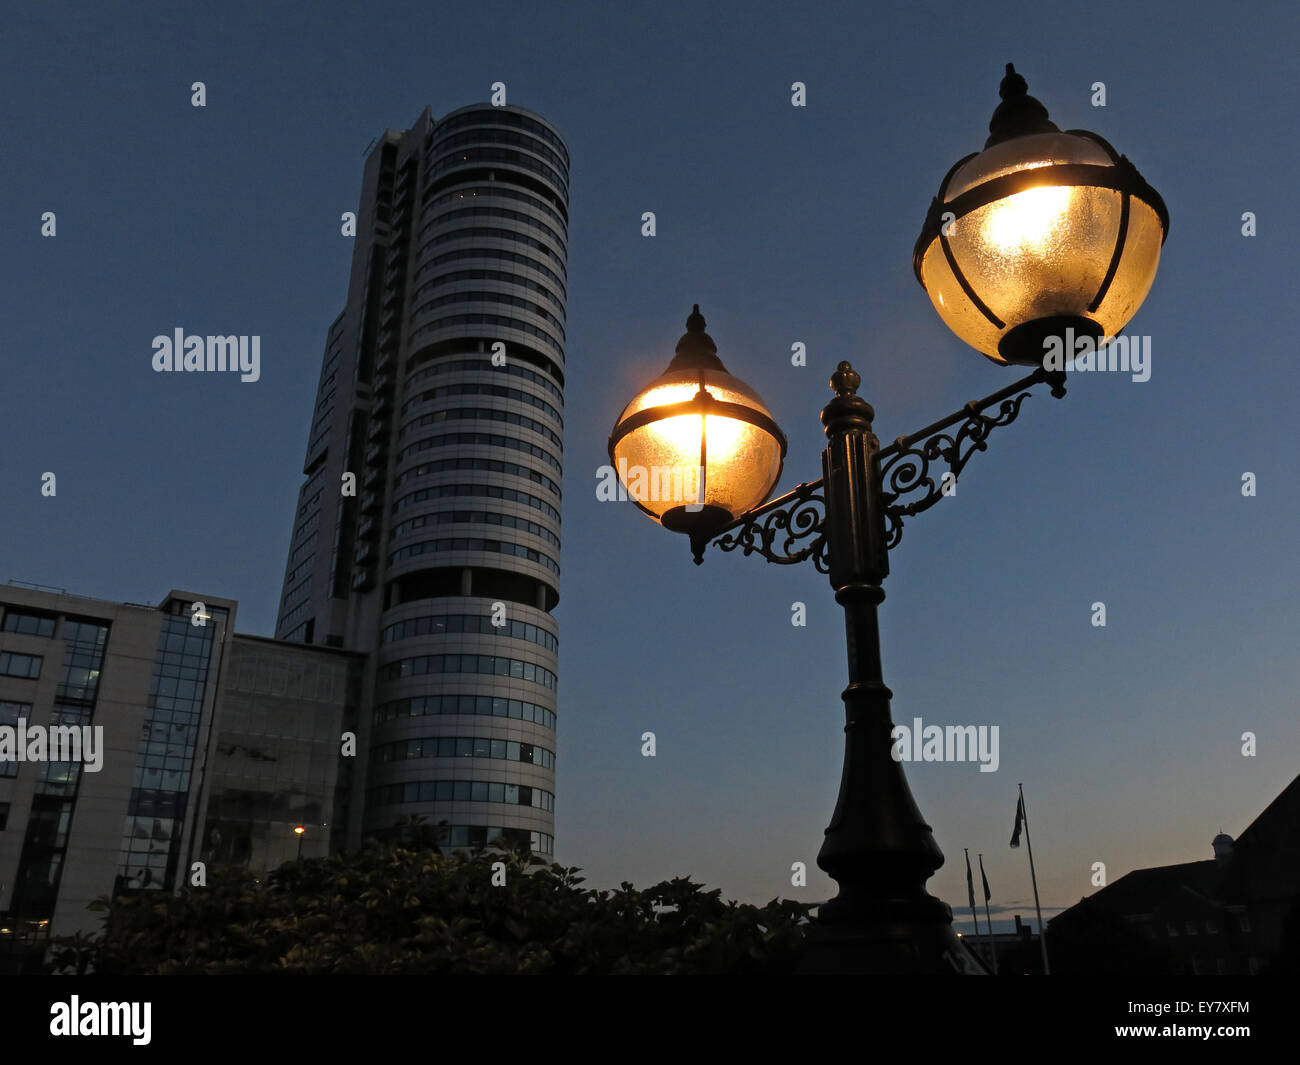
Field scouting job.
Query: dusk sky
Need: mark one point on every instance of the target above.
(785, 224)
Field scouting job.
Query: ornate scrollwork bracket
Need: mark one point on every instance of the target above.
(792, 527)
(905, 465)
(787, 530)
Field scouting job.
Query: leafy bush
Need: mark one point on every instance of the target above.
(393, 908)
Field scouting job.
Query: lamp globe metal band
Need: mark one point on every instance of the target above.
(697, 447)
(1042, 232)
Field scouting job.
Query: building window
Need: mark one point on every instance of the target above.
(28, 624)
(463, 747)
(1171, 928)
(1253, 964)
(463, 791)
(15, 665)
(423, 705)
(441, 624)
(480, 836)
(10, 713)
(1191, 928)
(489, 664)
(474, 517)
(1243, 922)
(482, 490)
(1212, 927)
(4, 816)
(150, 846)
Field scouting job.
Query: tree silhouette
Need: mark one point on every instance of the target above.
(394, 908)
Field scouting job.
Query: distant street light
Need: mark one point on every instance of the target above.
(1041, 238)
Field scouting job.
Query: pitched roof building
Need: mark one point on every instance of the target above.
(1226, 914)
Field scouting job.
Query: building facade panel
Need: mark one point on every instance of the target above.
(277, 762)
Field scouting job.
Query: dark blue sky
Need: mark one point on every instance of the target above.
(784, 224)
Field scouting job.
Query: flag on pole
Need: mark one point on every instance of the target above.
(984, 878)
(1020, 820)
(970, 885)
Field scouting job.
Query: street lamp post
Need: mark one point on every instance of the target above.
(1042, 239)
(300, 831)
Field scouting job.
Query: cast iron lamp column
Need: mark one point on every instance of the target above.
(878, 847)
(1043, 240)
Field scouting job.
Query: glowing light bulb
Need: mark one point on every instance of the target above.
(725, 436)
(1028, 220)
(682, 436)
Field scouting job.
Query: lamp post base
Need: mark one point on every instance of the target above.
(904, 937)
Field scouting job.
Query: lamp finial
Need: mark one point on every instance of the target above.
(845, 380)
(1018, 113)
(696, 349)
(847, 410)
(1013, 84)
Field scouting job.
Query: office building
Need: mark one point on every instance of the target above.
(427, 530)
(180, 742)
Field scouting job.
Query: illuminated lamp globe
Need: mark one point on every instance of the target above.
(697, 448)
(1044, 236)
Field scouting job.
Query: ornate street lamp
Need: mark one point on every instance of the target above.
(1016, 264)
(1040, 232)
(696, 447)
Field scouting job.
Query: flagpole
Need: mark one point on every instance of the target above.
(970, 894)
(1042, 932)
(993, 945)
(970, 891)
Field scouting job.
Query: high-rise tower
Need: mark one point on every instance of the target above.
(441, 392)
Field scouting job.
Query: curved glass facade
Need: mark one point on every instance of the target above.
(445, 567)
(471, 552)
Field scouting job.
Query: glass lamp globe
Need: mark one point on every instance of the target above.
(1041, 233)
(697, 448)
